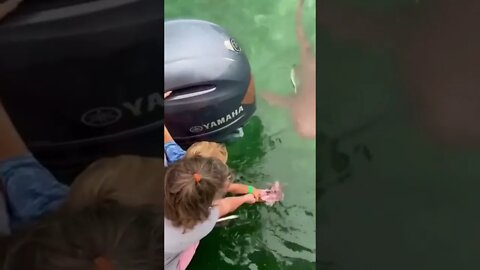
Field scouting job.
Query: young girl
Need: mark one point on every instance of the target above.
(173, 153)
(194, 188)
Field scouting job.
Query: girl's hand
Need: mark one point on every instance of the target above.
(249, 198)
(257, 194)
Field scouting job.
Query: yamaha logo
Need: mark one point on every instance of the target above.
(196, 129)
(232, 45)
(235, 45)
(220, 122)
(102, 116)
(105, 116)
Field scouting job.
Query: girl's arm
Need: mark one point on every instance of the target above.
(230, 204)
(236, 188)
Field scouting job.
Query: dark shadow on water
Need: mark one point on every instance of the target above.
(255, 142)
(334, 165)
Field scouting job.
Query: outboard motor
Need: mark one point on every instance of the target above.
(82, 79)
(213, 93)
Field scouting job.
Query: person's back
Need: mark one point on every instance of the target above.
(103, 237)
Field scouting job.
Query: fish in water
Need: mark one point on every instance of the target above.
(8, 6)
(302, 103)
(273, 194)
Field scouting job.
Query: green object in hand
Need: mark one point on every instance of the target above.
(250, 190)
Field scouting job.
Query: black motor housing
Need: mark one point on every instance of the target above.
(213, 93)
(82, 79)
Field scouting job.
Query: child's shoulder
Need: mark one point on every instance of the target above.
(202, 228)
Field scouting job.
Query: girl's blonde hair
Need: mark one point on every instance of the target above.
(208, 149)
(129, 180)
(123, 238)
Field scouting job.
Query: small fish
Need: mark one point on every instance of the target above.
(293, 79)
(273, 194)
(227, 218)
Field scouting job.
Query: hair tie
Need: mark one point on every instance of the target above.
(197, 177)
(102, 263)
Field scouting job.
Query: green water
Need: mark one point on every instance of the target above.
(391, 198)
(283, 236)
